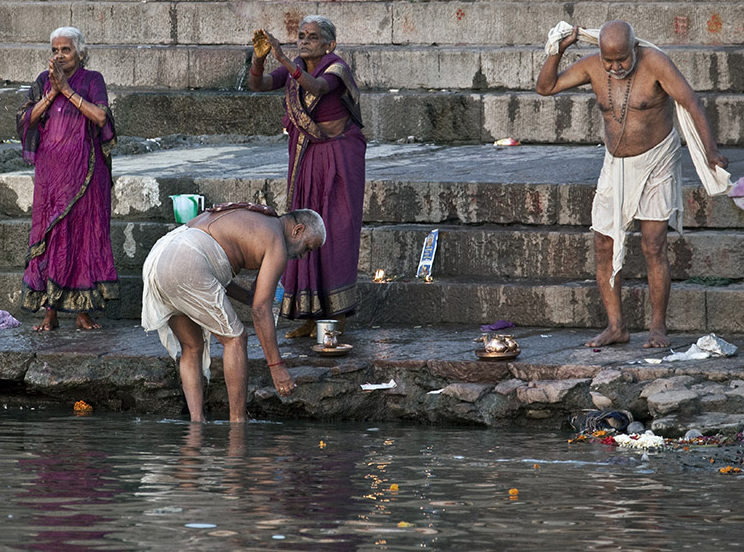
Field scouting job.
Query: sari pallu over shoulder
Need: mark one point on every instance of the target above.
(300, 104)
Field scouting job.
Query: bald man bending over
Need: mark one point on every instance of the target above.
(189, 274)
(641, 176)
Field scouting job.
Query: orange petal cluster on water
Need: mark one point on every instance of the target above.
(729, 469)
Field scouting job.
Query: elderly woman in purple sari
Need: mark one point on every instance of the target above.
(326, 167)
(67, 132)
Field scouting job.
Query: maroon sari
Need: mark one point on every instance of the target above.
(326, 175)
(69, 264)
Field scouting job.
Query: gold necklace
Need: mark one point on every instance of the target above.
(623, 107)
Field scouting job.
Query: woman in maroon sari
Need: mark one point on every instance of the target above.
(326, 168)
(67, 131)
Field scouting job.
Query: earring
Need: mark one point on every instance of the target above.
(328, 51)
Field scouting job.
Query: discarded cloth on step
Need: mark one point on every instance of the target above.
(7, 321)
(707, 346)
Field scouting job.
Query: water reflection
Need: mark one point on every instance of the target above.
(113, 483)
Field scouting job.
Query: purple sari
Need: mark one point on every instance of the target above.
(326, 175)
(69, 264)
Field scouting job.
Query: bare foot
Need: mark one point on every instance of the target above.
(85, 322)
(283, 381)
(609, 336)
(307, 329)
(51, 322)
(657, 339)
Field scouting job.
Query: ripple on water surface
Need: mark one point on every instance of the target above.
(116, 482)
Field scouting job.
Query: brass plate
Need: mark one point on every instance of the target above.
(482, 354)
(340, 350)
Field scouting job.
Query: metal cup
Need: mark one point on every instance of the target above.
(322, 326)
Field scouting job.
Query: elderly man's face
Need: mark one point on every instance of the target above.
(618, 62)
(303, 245)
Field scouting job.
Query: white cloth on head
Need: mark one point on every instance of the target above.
(186, 272)
(715, 181)
(647, 186)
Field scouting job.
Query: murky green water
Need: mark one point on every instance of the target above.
(114, 482)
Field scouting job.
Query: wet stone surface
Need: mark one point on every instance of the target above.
(436, 376)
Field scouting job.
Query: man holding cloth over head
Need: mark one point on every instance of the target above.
(637, 89)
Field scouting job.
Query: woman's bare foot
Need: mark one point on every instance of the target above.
(85, 322)
(609, 336)
(283, 381)
(307, 329)
(51, 322)
(657, 339)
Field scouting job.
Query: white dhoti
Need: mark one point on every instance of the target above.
(186, 272)
(642, 187)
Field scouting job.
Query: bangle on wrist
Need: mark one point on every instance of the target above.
(276, 364)
(80, 103)
(260, 74)
(298, 73)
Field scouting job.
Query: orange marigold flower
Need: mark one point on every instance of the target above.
(82, 406)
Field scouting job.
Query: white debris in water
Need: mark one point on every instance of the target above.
(645, 441)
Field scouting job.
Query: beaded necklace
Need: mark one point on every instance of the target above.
(623, 107)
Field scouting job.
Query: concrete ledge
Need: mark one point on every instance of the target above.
(415, 66)
(440, 117)
(407, 183)
(549, 303)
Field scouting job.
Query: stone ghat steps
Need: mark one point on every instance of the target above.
(365, 22)
(443, 117)
(462, 251)
(549, 303)
(406, 183)
(389, 66)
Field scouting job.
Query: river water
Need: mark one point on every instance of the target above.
(118, 482)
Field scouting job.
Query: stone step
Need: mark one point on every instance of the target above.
(441, 117)
(462, 251)
(391, 66)
(365, 22)
(406, 183)
(525, 302)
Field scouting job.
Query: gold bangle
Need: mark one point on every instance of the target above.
(45, 97)
(80, 103)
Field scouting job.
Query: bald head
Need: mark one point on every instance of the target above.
(616, 34)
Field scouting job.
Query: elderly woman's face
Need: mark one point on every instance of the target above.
(310, 42)
(65, 54)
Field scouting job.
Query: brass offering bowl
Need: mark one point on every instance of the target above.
(498, 347)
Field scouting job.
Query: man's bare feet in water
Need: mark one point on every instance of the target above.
(609, 336)
(282, 380)
(308, 329)
(51, 322)
(657, 339)
(85, 322)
